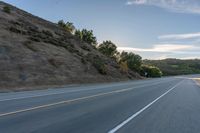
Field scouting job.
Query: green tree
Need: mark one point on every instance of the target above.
(150, 71)
(61, 23)
(70, 27)
(108, 48)
(78, 33)
(88, 36)
(134, 61)
(67, 26)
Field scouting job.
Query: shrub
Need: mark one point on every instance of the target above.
(124, 67)
(85, 48)
(99, 64)
(78, 34)
(48, 33)
(15, 30)
(150, 71)
(61, 23)
(87, 36)
(34, 38)
(54, 62)
(83, 60)
(108, 48)
(70, 27)
(6, 9)
(67, 26)
(134, 61)
(29, 45)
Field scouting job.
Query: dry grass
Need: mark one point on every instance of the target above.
(197, 80)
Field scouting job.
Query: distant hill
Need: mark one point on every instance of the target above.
(35, 52)
(176, 66)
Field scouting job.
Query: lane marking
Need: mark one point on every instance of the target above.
(143, 109)
(57, 93)
(69, 101)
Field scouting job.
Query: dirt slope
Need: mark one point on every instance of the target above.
(35, 52)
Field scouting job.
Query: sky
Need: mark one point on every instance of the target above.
(155, 29)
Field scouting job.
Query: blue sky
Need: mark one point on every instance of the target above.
(155, 29)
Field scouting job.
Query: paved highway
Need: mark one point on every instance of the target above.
(165, 105)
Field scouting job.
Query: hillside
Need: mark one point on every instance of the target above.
(176, 66)
(36, 52)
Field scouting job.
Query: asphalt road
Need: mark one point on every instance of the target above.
(164, 105)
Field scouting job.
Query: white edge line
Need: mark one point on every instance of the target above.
(140, 111)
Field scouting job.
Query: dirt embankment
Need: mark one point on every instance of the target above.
(36, 52)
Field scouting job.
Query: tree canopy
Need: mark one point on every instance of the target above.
(108, 48)
(134, 61)
(67, 26)
(87, 36)
(150, 71)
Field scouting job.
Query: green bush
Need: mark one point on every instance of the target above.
(67, 26)
(108, 48)
(99, 64)
(134, 61)
(6, 9)
(87, 36)
(150, 71)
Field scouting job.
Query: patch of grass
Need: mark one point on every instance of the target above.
(84, 47)
(99, 64)
(35, 39)
(15, 30)
(29, 45)
(83, 60)
(7, 9)
(55, 62)
(48, 33)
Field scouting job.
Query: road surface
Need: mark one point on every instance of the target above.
(165, 105)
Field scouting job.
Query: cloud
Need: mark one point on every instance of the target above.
(161, 48)
(162, 51)
(138, 2)
(181, 6)
(180, 36)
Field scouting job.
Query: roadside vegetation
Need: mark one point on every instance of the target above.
(128, 61)
(176, 66)
(6, 9)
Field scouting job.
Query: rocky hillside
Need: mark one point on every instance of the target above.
(36, 52)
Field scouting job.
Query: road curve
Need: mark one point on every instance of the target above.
(165, 105)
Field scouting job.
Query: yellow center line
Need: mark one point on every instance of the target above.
(72, 100)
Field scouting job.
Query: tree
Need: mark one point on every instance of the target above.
(78, 33)
(150, 71)
(108, 48)
(61, 23)
(70, 27)
(134, 61)
(87, 36)
(67, 26)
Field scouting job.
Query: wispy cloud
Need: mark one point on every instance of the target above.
(181, 36)
(182, 6)
(162, 51)
(160, 48)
